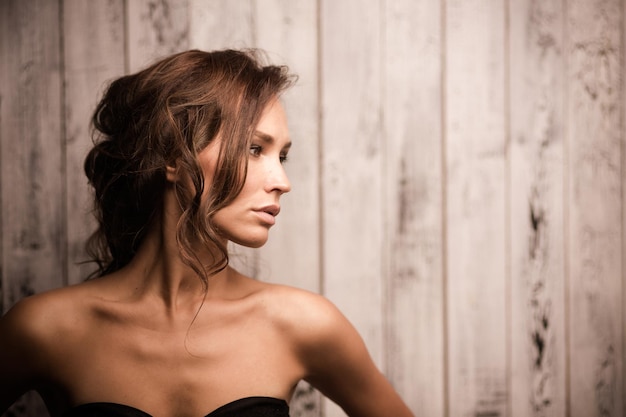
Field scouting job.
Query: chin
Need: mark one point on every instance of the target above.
(251, 241)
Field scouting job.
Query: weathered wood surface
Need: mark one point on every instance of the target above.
(536, 192)
(412, 109)
(32, 183)
(93, 34)
(154, 28)
(476, 248)
(595, 93)
(31, 157)
(352, 167)
(457, 179)
(222, 24)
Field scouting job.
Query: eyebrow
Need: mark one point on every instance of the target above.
(269, 139)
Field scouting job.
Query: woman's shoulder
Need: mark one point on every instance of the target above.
(320, 335)
(43, 317)
(32, 332)
(289, 301)
(305, 315)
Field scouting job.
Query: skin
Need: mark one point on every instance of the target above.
(148, 337)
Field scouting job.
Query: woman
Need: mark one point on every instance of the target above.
(188, 156)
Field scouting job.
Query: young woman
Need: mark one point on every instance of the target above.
(188, 156)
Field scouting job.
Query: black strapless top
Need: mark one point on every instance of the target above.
(244, 407)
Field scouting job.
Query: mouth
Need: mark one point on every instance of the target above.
(272, 209)
(268, 213)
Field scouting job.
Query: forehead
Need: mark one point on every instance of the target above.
(273, 123)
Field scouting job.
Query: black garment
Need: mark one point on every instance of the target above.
(244, 407)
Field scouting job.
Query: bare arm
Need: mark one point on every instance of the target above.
(339, 365)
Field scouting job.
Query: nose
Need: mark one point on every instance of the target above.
(277, 179)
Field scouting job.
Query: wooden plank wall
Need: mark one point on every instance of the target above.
(458, 176)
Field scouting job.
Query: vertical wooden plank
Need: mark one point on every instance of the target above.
(221, 24)
(352, 166)
(412, 120)
(287, 30)
(93, 55)
(31, 181)
(536, 192)
(594, 77)
(623, 201)
(155, 28)
(475, 207)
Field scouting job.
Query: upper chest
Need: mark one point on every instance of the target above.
(198, 366)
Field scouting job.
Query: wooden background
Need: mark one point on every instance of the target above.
(458, 177)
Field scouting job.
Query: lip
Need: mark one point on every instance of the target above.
(268, 213)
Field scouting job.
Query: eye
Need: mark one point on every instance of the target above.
(283, 158)
(255, 150)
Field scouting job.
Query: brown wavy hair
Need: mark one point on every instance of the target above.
(164, 116)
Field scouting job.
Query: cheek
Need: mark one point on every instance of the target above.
(249, 182)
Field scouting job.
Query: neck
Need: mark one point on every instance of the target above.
(158, 268)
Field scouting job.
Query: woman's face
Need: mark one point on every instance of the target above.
(247, 220)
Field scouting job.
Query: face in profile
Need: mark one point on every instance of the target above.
(248, 218)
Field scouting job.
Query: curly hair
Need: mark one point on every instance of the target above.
(164, 116)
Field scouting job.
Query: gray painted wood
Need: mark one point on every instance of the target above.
(412, 107)
(536, 190)
(475, 215)
(32, 191)
(154, 29)
(93, 34)
(31, 162)
(352, 166)
(222, 24)
(594, 140)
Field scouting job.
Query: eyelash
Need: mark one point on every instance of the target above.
(255, 150)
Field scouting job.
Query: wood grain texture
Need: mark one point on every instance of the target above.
(594, 109)
(155, 29)
(93, 56)
(622, 371)
(413, 192)
(31, 180)
(32, 184)
(475, 151)
(221, 24)
(538, 354)
(352, 166)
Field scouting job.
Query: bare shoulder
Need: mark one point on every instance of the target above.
(31, 316)
(50, 319)
(30, 332)
(313, 325)
(304, 314)
(333, 355)
(38, 319)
